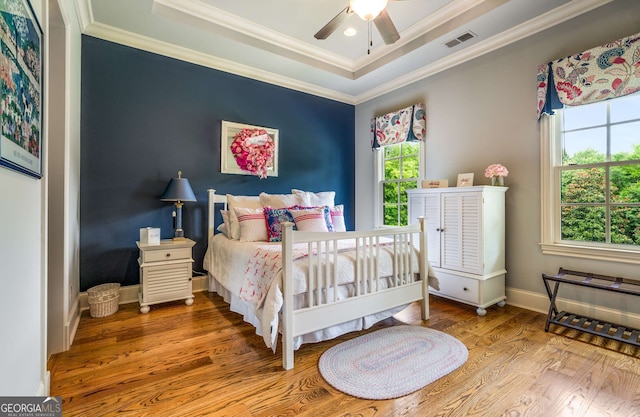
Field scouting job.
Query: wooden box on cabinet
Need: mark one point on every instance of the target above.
(465, 241)
(165, 272)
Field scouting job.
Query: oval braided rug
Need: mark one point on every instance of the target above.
(391, 362)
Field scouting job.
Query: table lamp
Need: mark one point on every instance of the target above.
(178, 190)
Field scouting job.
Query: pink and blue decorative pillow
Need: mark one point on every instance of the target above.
(275, 218)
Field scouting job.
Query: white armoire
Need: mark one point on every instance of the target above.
(465, 241)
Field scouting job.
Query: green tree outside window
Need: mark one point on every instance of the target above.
(401, 173)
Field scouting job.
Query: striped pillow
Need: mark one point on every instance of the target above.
(326, 211)
(310, 220)
(253, 227)
(337, 218)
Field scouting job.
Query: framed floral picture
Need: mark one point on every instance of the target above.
(21, 87)
(248, 150)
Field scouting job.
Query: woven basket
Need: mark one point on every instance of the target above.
(103, 299)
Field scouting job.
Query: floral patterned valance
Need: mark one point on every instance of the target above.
(403, 125)
(608, 71)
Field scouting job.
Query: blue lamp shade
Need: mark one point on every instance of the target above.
(178, 190)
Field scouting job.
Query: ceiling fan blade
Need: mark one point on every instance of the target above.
(386, 27)
(333, 24)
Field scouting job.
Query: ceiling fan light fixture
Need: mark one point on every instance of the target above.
(350, 32)
(368, 9)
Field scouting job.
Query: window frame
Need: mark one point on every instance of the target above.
(379, 178)
(551, 242)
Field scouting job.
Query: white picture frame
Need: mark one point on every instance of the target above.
(465, 180)
(228, 164)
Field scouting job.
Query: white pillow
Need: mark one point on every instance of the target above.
(337, 218)
(253, 227)
(324, 198)
(310, 220)
(225, 222)
(277, 201)
(239, 201)
(222, 229)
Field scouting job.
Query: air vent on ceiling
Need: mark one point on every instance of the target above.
(464, 37)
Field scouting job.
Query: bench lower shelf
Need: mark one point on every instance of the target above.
(596, 327)
(586, 324)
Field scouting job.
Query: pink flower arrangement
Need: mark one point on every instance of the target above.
(496, 170)
(253, 150)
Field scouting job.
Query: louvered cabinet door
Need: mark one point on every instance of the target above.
(428, 206)
(462, 232)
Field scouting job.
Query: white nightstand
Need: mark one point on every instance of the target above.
(165, 272)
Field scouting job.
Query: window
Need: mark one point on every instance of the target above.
(591, 180)
(399, 170)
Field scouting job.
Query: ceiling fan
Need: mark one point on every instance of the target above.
(369, 10)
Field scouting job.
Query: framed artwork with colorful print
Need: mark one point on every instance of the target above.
(21, 140)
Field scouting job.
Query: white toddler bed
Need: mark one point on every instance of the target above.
(315, 286)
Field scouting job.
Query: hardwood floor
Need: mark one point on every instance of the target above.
(202, 360)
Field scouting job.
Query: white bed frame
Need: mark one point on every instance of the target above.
(326, 311)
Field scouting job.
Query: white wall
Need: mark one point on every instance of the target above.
(484, 112)
(21, 284)
(23, 280)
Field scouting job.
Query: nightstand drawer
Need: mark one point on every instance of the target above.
(166, 255)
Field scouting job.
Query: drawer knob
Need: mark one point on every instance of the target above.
(168, 255)
(466, 289)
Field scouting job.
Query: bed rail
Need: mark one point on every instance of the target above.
(325, 308)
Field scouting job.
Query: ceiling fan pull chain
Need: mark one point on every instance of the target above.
(370, 41)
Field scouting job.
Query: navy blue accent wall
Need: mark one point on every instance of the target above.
(146, 116)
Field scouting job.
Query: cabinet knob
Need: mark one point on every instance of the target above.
(168, 255)
(466, 289)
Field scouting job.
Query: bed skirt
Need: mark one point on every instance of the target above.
(246, 309)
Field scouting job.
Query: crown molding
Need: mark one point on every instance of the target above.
(195, 12)
(531, 27)
(145, 43)
(417, 30)
(84, 13)
(526, 29)
(198, 13)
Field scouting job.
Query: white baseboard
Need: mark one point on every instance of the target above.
(72, 325)
(44, 387)
(520, 298)
(540, 302)
(129, 293)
